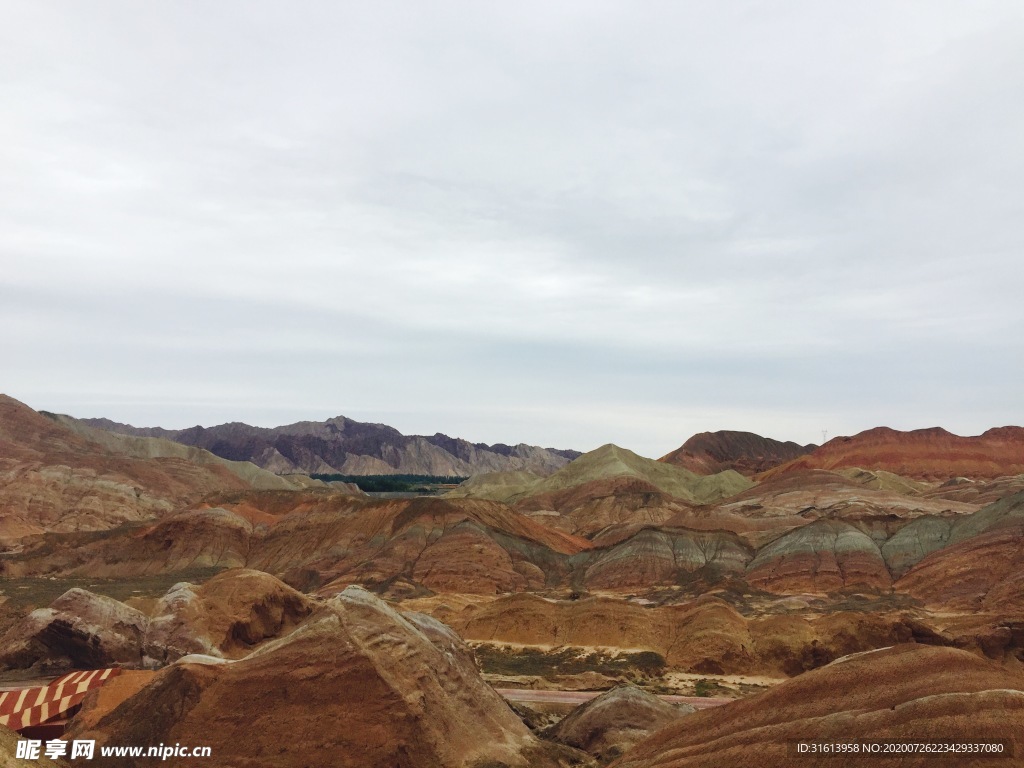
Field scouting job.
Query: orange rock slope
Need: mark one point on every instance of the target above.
(706, 636)
(356, 685)
(983, 566)
(847, 539)
(931, 454)
(329, 541)
(53, 478)
(907, 692)
(227, 617)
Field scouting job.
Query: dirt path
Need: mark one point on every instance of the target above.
(17, 685)
(579, 697)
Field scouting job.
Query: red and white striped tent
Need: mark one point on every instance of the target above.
(29, 707)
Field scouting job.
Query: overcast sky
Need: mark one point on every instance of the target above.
(563, 223)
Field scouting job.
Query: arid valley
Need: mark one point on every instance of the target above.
(711, 608)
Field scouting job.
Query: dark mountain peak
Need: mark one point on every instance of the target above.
(343, 445)
(707, 453)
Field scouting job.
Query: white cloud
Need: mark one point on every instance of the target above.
(723, 211)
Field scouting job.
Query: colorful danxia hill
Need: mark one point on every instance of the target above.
(710, 608)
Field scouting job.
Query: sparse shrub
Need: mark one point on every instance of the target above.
(504, 660)
(649, 662)
(704, 687)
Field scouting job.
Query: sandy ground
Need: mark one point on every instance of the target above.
(579, 697)
(679, 678)
(17, 685)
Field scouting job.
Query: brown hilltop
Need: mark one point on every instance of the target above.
(707, 453)
(79, 630)
(604, 488)
(52, 478)
(465, 545)
(980, 568)
(326, 540)
(614, 721)
(820, 531)
(823, 556)
(643, 536)
(228, 617)
(908, 692)
(57, 478)
(878, 503)
(356, 685)
(594, 505)
(927, 454)
(705, 636)
(981, 491)
(821, 537)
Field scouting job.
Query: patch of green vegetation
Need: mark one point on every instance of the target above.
(870, 603)
(505, 660)
(427, 484)
(747, 600)
(706, 688)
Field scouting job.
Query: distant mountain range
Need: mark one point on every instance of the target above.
(341, 445)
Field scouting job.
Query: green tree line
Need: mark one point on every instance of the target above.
(391, 483)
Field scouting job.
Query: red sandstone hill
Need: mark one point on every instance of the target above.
(705, 636)
(926, 454)
(355, 685)
(56, 478)
(590, 507)
(318, 539)
(710, 452)
(980, 566)
(908, 692)
(815, 538)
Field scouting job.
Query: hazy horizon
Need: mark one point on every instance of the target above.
(561, 225)
(428, 433)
